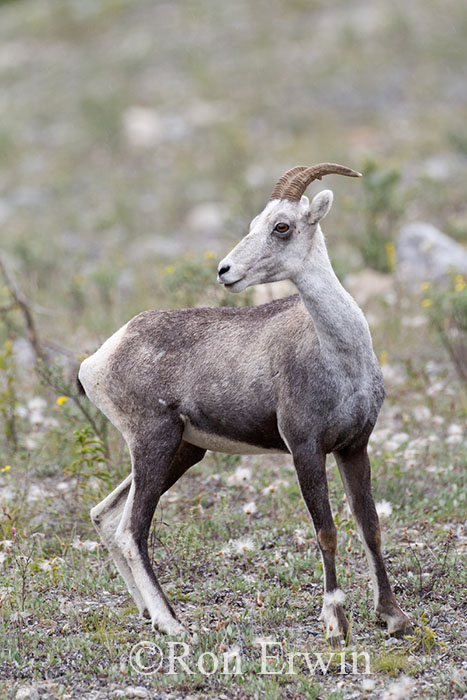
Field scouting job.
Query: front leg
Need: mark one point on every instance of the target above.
(310, 465)
(354, 467)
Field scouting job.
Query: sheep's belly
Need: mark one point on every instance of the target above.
(218, 443)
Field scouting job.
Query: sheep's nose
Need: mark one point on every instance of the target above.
(223, 269)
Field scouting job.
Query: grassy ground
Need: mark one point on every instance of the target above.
(137, 139)
(236, 577)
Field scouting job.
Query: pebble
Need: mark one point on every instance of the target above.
(136, 692)
(142, 126)
(27, 692)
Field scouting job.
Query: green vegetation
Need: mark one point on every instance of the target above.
(447, 308)
(381, 206)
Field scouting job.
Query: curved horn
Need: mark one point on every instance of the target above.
(284, 180)
(297, 185)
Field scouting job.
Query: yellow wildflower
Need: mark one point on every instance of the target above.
(391, 254)
(426, 303)
(61, 400)
(6, 468)
(383, 358)
(170, 269)
(460, 283)
(209, 255)
(424, 286)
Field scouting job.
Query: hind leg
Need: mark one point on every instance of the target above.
(354, 467)
(154, 453)
(107, 515)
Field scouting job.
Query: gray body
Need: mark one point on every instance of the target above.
(256, 360)
(297, 375)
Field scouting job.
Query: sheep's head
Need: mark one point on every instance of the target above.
(281, 237)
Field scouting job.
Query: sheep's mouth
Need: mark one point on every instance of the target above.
(231, 286)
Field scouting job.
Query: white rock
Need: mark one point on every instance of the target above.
(263, 293)
(367, 284)
(380, 435)
(368, 684)
(136, 692)
(207, 218)
(37, 492)
(37, 404)
(202, 114)
(394, 374)
(424, 254)
(24, 353)
(5, 211)
(27, 692)
(399, 438)
(414, 321)
(142, 126)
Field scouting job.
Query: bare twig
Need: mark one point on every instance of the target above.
(23, 305)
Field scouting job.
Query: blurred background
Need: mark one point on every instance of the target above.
(135, 136)
(137, 141)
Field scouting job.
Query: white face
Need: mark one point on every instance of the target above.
(279, 241)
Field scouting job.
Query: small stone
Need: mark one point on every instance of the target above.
(263, 293)
(27, 692)
(142, 126)
(368, 284)
(136, 692)
(207, 218)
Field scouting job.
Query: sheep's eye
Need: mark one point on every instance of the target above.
(281, 228)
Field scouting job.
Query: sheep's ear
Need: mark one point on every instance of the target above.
(253, 221)
(320, 205)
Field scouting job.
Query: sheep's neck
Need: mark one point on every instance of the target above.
(340, 325)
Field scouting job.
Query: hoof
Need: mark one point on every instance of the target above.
(341, 635)
(170, 626)
(339, 640)
(398, 624)
(337, 629)
(400, 634)
(406, 628)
